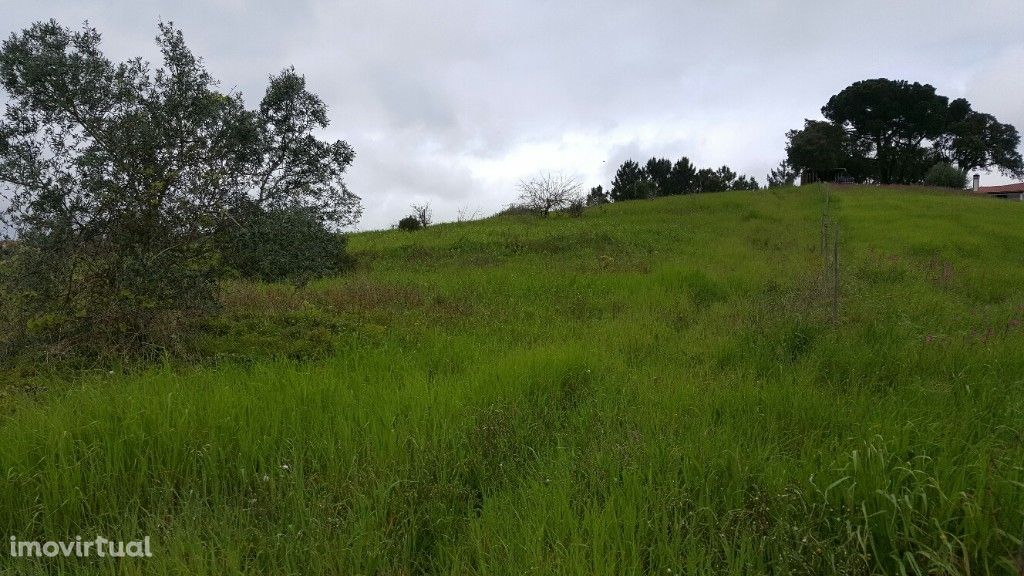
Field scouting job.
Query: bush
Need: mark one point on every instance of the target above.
(283, 244)
(946, 176)
(8, 303)
(576, 208)
(86, 301)
(410, 224)
(516, 210)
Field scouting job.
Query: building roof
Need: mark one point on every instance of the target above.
(1019, 187)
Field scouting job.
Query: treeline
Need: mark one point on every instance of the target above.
(662, 177)
(897, 132)
(548, 193)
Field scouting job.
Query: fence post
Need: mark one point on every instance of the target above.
(835, 277)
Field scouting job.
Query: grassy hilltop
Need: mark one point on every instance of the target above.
(656, 387)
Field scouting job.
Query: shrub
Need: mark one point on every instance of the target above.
(87, 301)
(515, 209)
(283, 244)
(576, 207)
(946, 176)
(410, 224)
(8, 304)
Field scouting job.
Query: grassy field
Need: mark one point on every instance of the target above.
(655, 388)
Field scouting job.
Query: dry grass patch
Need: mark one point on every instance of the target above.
(355, 295)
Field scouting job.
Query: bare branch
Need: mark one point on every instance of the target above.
(423, 214)
(546, 192)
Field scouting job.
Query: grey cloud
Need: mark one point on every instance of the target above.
(998, 86)
(451, 101)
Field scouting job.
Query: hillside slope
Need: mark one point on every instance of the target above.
(656, 387)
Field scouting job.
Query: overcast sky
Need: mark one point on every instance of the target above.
(453, 102)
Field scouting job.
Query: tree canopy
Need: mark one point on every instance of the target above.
(120, 177)
(894, 131)
(662, 177)
(782, 175)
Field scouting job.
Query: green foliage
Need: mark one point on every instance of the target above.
(893, 131)
(281, 244)
(745, 183)
(118, 176)
(823, 150)
(78, 305)
(893, 117)
(576, 208)
(979, 141)
(515, 209)
(681, 178)
(782, 175)
(660, 177)
(645, 189)
(94, 156)
(410, 224)
(947, 176)
(631, 183)
(293, 168)
(597, 196)
(659, 171)
(720, 180)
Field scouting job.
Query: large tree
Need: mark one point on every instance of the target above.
(894, 131)
(597, 196)
(978, 141)
(745, 183)
(631, 183)
(681, 178)
(658, 171)
(708, 180)
(822, 149)
(895, 117)
(118, 175)
(293, 166)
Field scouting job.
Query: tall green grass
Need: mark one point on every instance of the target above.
(655, 388)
